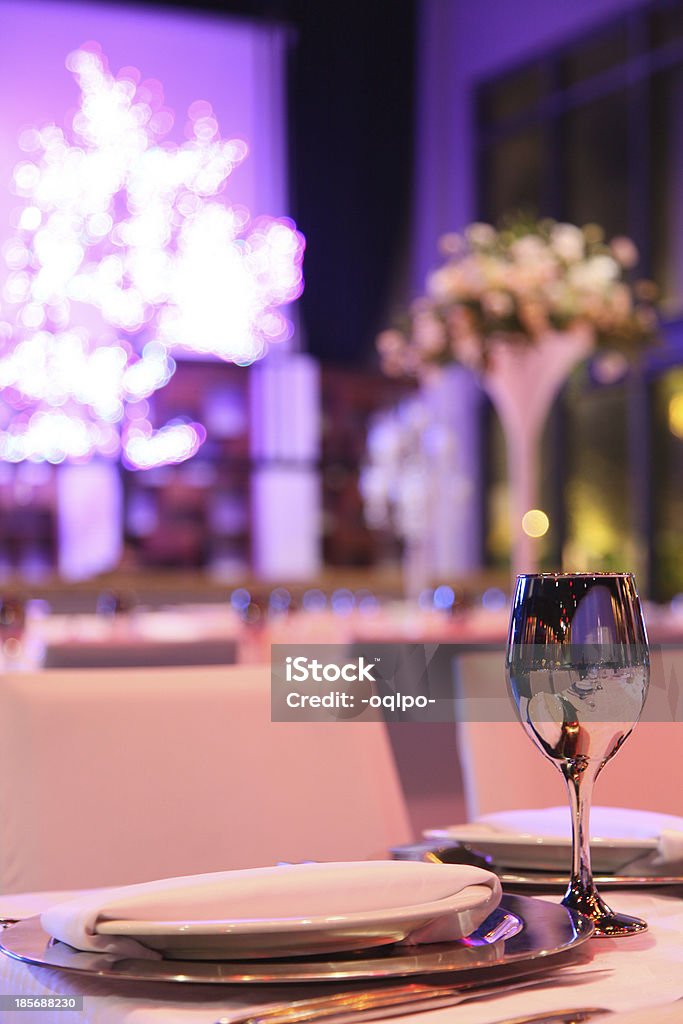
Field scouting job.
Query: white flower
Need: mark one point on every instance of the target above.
(524, 279)
(553, 275)
(480, 235)
(563, 299)
(497, 303)
(604, 268)
(528, 249)
(624, 251)
(443, 284)
(472, 279)
(595, 274)
(451, 244)
(493, 272)
(568, 242)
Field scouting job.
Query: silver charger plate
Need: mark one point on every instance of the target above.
(530, 880)
(520, 935)
(547, 881)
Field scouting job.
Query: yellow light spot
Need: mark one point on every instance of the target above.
(535, 523)
(676, 414)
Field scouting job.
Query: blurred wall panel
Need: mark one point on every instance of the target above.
(460, 44)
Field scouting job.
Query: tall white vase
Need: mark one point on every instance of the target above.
(522, 381)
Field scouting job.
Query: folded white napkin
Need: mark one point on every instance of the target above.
(607, 823)
(286, 892)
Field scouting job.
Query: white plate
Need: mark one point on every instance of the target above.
(313, 920)
(519, 937)
(541, 839)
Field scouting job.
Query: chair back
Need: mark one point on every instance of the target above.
(109, 777)
(503, 769)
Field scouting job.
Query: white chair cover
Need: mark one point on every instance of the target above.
(110, 777)
(503, 769)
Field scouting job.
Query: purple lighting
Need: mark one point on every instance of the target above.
(176, 442)
(126, 251)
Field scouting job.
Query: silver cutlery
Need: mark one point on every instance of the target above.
(575, 1016)
(392, 1001)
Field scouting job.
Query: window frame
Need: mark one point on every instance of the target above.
(632, 76)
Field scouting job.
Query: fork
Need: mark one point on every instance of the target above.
(585, 1013)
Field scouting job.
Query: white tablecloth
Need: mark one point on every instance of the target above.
(619, 974)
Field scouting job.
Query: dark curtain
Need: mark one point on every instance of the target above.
(351, 83)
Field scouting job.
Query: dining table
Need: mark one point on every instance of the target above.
(201, 633)
(638, 980)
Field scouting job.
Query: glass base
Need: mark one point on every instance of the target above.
(608, 924)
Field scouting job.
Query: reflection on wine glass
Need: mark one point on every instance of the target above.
(578, 670)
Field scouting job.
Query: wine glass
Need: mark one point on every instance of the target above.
(578, 670)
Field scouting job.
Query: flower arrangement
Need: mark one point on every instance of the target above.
(515, 284)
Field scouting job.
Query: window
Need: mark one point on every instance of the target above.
(593, 132)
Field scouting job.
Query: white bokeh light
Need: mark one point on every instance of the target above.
(125, 250)
(176, 442)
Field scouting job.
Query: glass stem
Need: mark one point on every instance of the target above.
(581, 894)
(580, 776)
